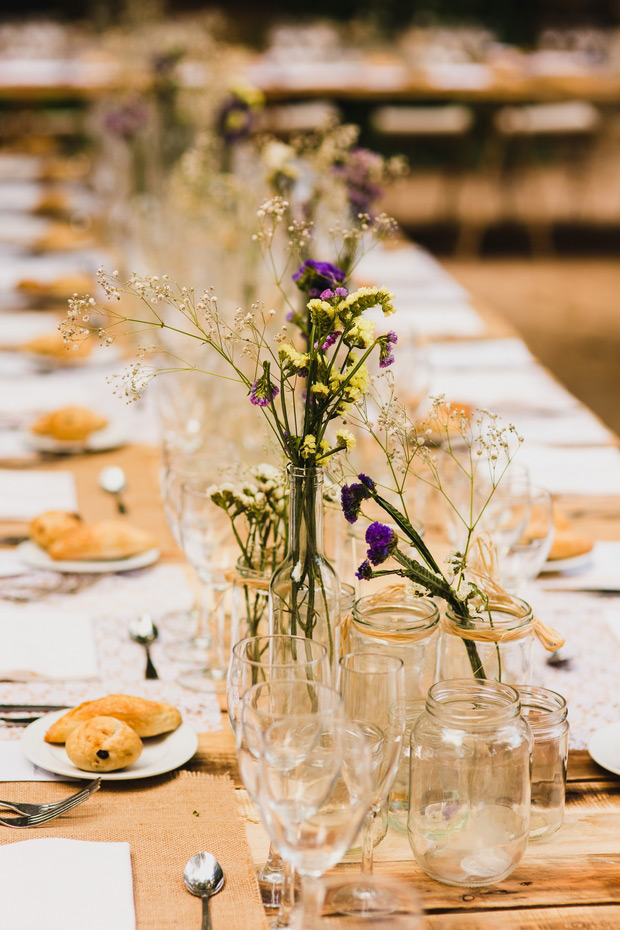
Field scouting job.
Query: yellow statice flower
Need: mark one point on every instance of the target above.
(320, 388)
(308, 447)
(290, 357)
(364, 298)
(346, 439)
(360, 334)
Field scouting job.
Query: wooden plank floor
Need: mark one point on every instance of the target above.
(571, 882)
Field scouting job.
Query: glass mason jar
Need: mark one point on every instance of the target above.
(250, 602)
(469, 796)
(304, 590)
(399, 796)
(397, 623)
(546, 713)
(495, 643)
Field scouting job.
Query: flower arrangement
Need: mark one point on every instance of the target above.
(473, 446)
(258, 512)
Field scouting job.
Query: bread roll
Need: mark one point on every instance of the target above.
(51, 525)
(107, 539)
(70, 423)
(147, 718)
(568, 545)
(103, 744)
(52, 345)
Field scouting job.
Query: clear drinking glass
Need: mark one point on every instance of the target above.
(372, 686)
(469, 798)
(301, 704)
(272, 658)
(524, 559)
(314, 792)
(399, 795)
(546, 713)
(399, 624)
(177, 467)
(406, 915)
(207, 542)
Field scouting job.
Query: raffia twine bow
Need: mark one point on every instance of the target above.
(233, 576)
(484, 570)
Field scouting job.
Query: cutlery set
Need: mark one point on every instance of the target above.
(32, 815)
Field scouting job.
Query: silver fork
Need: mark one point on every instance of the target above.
(40, 813)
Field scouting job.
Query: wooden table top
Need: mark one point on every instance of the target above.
(570, 882)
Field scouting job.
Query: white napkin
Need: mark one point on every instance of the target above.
(485, 353)
(592, 471)
(78, 884)
(14, 766)
(26, 494)
(527, 387)
(18, 328)
(43, 642)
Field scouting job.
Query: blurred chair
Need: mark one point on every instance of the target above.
(285, 120)
(444, 132)
(514, 156)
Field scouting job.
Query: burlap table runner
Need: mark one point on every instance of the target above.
(165, 821)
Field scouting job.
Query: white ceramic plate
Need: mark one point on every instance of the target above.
(160, 754)
(112, 436)
(567, 565)
(604, 747)
(33, 555)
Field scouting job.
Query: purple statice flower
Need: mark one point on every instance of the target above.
(360, 173)
(386, 355)
(382, 541)
(235, 119)
(127, 119)
(289, 316)
(366, 481)
(351, 498)
(339, 292)
(262, 391)
(364, 572)
(329, 340)
(314, 277)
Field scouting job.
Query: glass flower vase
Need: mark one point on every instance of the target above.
(304, 590)
(250, 599)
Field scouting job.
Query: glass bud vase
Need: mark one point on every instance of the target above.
(304, 590)
(250, 601)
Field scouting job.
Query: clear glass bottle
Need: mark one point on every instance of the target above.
(546, 713)
(398, 623)
(304, 590)
(469, 796)
(498, 645)
(399, 796)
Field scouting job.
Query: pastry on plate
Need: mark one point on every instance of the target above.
(104, 540)
(52, 346)
(51, 525)
(69, 423)
(147, 718)
(103, 744)
(63, 286)
(568, 545)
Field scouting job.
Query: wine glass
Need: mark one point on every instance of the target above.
(372, 686)
(176, 468)
(524, 559)
(303, 704)
(206, 539)
(272, 658)
(314, 791)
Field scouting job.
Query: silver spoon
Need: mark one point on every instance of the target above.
(143, 631)
(203, 876)
(112, 480)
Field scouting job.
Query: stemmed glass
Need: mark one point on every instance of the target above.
(176, 468)
(272, 658)
(303, 704)
(372, 686)
(314, 791)
(205, 535)
(524, 559)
